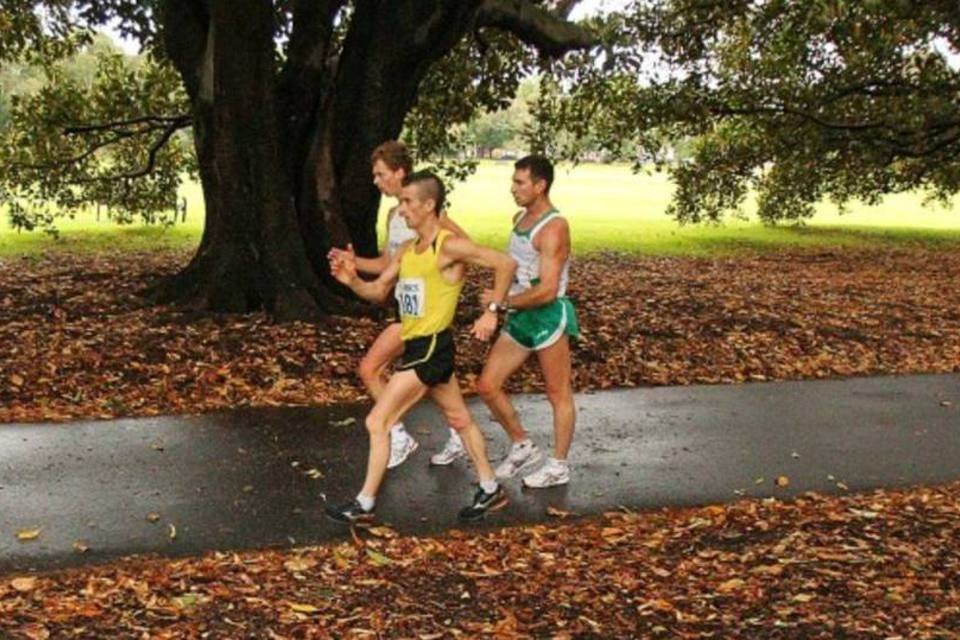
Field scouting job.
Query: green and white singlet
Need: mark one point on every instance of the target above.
(539, 327)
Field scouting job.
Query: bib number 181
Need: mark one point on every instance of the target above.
(410, 297)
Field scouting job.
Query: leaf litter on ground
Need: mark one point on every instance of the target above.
(80, 343)
(874, 565)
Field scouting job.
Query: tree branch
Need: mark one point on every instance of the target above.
(305, 80)
(64, 162)
(174, 124)
(185, 26)
(918, 134)
(723, 110)
(151, 159)
(549, 33)
(564, 7)
(310, 36)
(181, 120)
(918, 142)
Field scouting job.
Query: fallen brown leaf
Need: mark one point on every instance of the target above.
(24, 585)
(29, 534)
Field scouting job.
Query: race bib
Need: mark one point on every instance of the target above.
(411, 295)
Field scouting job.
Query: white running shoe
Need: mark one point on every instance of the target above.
(522, 456)
(400, 449)
(452, 450)
(554, 473)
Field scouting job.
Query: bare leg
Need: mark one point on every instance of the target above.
(450, 400)
(387, 347)
(505, 357)
(402, 392)
(555, 364)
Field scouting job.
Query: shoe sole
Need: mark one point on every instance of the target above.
(416, 445)
(342, 520)
(496, 506)
(434, 463)
(544, 486)
(537, 459)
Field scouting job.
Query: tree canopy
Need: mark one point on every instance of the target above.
(798, 100)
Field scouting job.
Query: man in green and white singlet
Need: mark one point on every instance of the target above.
(539, 319)
(427, 274)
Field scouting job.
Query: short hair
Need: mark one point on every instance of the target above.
(395, 155)
(540, 168)
(431, 186)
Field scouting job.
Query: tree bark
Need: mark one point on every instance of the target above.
(380, 70)
(252, 254)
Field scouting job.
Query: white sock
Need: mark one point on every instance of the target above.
(397, 431)
(366, 502)
(557, 462)
(454, 435)
(489, 486)
(523, 444)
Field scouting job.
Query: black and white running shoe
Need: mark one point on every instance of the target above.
(349, 512)
(483, 503)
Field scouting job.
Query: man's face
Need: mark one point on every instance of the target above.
(413, 206)
(386, 179)
(525, 189)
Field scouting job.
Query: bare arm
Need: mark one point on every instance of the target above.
(373, 266)
(504, 267)
(344, 269)
(554, 250)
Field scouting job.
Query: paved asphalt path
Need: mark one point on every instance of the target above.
(260, 478)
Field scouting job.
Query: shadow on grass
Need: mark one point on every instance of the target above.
(690, 241)
(132, 239)
(730, 241)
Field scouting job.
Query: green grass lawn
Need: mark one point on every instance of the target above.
(608, 206)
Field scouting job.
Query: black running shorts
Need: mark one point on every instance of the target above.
(430, 357)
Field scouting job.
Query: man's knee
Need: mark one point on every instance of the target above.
(376, 424)
(458, 420)
(368, 369)
(559, 394)
(488, 387)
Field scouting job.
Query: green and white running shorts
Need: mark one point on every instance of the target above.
(540, 327)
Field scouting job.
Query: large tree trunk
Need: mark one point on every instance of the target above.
(284, 162)
(252, 253)
(285, 157)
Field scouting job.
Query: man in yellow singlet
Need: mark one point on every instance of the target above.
(427, 274)
(391, 162)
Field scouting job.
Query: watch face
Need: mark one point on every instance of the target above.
(492, 307)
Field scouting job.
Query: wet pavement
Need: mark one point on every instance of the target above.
(259, 478)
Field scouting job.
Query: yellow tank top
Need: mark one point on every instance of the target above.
(427, 301)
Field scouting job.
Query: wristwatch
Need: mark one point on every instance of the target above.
(495, 306)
